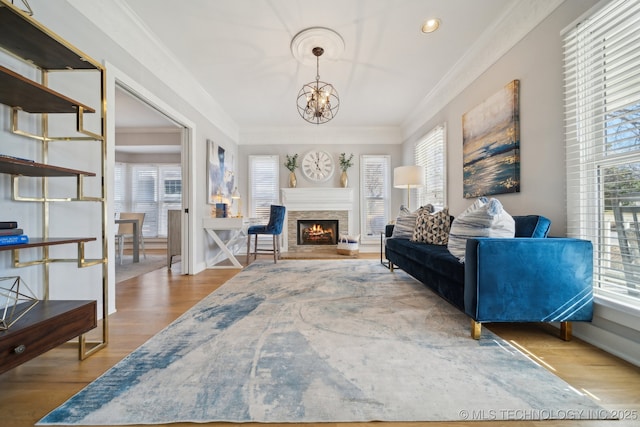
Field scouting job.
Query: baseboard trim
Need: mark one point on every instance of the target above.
(621, 347)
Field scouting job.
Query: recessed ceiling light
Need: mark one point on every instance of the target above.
(430, 25)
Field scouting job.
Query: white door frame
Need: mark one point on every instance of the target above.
(116, 77)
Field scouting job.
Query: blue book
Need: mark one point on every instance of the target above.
(14, 240)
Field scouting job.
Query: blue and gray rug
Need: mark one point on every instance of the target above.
(322, 341)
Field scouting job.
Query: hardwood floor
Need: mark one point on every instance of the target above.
(148, 303)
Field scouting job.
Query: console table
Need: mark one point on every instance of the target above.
(237, 233)
(136, 236)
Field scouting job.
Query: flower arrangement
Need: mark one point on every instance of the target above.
(344, 162)
(292, 162)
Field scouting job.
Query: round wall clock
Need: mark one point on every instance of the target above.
(317, 165)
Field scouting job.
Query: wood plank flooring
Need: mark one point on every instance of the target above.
(148, 303)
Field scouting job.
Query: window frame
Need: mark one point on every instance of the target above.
(125, 184)
(385, 197)
(595, 56)
(426, 153)
(262, 212)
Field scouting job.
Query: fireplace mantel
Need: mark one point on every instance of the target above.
(311, 199)
(317, 199)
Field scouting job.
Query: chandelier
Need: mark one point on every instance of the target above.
(318, 101)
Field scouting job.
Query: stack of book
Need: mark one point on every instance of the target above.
(10, 234)
(222, 210)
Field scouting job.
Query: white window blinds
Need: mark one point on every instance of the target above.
(375, 179)
(263, 185)
(602, 133)
(150, 188)
(430, 153)
(120, 184)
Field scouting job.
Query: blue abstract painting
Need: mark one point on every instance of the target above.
(491, 144)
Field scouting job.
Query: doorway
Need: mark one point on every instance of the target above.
(147, 180)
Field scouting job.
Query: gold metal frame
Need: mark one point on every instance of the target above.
(85, 348)
(80, 197)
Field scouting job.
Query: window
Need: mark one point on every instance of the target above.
(602, 126)
(263, 185)
(120, 184)
(374, 190)
(430, 153)
(152, 189)
(173, 186)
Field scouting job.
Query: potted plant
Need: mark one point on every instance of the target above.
(292, 165)
(345, 164)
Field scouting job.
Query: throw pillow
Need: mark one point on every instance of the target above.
(406, 222)
(484, 218)
(432, 228)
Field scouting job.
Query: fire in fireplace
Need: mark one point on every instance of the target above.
(317, 232)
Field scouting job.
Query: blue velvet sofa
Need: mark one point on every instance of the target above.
(529, 278)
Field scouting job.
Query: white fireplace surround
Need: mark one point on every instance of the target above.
(316, 199)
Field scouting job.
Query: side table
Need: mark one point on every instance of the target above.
(382, 259)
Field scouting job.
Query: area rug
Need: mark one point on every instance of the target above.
(322, 341)
(129, 269)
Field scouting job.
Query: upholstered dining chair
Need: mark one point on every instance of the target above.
(125, 230)
(273, 228)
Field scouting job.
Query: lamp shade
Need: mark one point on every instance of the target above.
(408, 176)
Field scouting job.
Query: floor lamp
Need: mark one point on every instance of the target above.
(408, 177)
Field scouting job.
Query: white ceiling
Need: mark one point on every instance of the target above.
(239, 51)
(131, 113)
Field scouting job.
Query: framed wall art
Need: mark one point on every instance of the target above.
(491, 144)
(220, 174)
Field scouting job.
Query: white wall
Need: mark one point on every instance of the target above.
(207, 121)
(333, 140)
(537, 62)
(125, 138)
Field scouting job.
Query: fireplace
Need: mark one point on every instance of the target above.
(316, 204)
(317, 232)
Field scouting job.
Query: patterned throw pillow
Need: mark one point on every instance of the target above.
(406, 222)
(432, 228)
(484, 218)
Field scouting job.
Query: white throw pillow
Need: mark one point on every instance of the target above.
(484, 218)
(406, 222)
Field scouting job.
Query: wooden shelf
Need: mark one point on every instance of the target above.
(49, 323)
(29, 40)
(15, 166)
(36, 242)
(32, 97)
(45, 326)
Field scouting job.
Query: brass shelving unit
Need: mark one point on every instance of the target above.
(24, 38)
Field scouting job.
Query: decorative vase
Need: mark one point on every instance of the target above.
(344, 179)
(292, 180)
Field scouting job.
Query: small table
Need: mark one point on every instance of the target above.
(238, 230)
(136, 224)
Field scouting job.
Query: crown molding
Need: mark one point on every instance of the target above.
(120, 23)
(518, 20)
(320, 134)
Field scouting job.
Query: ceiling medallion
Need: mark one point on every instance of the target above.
(318, 101)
